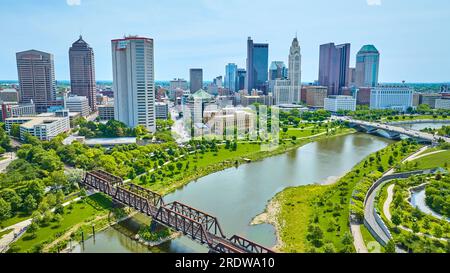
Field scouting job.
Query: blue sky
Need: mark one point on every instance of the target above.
(412, 35)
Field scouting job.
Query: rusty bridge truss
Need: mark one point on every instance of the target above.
(197, 225)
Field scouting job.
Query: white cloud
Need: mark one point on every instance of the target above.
(374, 2)
(73, 2)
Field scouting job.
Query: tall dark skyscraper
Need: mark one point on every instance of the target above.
(82, 71)
(257, 66)
(36, 71)
(196, 79)
(334, 64)
(240, 82)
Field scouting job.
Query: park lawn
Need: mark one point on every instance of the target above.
(302, 133)
(433, 161)
(372, 245)
(294, 215)
(92, 206)
(20, 217)
(203, 160)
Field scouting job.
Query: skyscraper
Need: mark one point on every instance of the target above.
(231, 75)
(257, 66)
(196, 79)
(134, 82)
(334, 66)
(277, 70)
(241, 76)
(82, 71)
(36, 71)
(295, 70)
(367, 66)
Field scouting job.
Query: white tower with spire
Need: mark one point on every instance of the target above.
(295, 69)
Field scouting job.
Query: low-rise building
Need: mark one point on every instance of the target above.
(9, 95)
(78, 104)
(161, 110)
(43, 127)
(315, 96)
(13, 110)
(363, 96)
(106, 112)
(443, 103)
(429, 99)
(340, 103)
(396, 97)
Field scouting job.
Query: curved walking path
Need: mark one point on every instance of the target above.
(387, 203)
(387, 213)
(425, 155)
(358, 240)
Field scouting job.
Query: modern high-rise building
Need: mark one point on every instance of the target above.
(283, 92)
(134, 81)
(277, 70)
(36, 71)
(231, 76)
(351, 76)
(82, 71)
(241, 76)
(196, 79)
(367, 66)
(295, 70)
(334, 66)
(257, 66)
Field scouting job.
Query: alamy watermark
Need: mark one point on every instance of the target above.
(234, 123)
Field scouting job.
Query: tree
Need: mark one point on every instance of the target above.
(179, 166)
(438, 231)
(415, 227)
(5, 210)
(10, 196)
(348, 239)
(29, 204)
(390, 247)
(396, 219)
(329, 248)
(15, 130)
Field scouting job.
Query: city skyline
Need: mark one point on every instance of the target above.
(208, 44)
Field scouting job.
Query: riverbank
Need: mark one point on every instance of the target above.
(244, 159)
(315, 218)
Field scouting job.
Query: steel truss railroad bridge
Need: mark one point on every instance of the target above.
(197, 225)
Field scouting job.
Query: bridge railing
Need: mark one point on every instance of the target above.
(211, 223)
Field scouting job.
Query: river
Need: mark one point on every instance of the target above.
(236, 195)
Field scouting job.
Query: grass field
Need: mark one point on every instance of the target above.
(14, 220)
(92, 206)
(296, 210)
(428, 162)
(372, 245)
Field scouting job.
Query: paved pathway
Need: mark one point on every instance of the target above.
(11, 237)
(358, 240)
(388, 202)
(4, 163)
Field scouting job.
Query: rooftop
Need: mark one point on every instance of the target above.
(33, 121)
